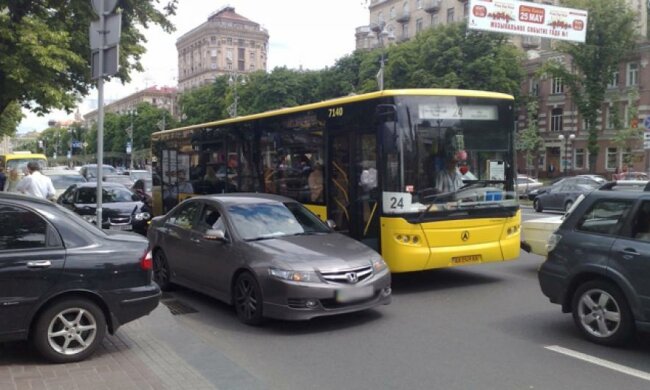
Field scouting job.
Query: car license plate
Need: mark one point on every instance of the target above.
(354, 294)
(466, 259)
(120, 227)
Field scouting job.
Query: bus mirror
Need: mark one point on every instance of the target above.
(331, 224)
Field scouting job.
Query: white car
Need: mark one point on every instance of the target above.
(535, 232)
(525, 184)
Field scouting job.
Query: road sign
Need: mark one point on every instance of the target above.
(111, 62)
(646, 122)
(128, 148)
(111, 32)
(109, 6)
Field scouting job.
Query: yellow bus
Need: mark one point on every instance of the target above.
(424, 176)
(18, 160)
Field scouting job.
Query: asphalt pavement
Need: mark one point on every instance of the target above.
(477, 327)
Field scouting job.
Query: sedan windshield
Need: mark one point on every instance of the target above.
(61, 182)
(269, 220)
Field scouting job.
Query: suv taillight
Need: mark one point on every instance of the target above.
(146, 262)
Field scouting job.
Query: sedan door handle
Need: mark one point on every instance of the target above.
(39, 264)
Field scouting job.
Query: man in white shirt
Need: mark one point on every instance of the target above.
(36, 184)
(449, 179)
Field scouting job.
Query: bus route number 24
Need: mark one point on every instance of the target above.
(335, 112)
(395, 202)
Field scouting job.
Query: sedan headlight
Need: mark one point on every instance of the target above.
(90, 218)
(294, 276)
(552, 242)
(142, 216)
(378, 264)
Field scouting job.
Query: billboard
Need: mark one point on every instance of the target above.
(529, 19)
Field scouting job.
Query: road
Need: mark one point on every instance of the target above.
(480, 327)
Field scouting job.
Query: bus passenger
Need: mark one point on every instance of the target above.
(315, 182)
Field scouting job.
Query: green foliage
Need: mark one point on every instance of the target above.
(629, 136)
(445, 57)
(610, 37)
(528, 140)
(10, 119)
(45, 49)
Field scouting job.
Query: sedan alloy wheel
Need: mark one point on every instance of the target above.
(248, 299)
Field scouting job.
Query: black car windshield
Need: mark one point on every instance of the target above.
(88, 195)
(269, 220)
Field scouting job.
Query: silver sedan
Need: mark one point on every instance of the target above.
(268, 256)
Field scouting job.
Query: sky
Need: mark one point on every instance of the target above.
(308, 33)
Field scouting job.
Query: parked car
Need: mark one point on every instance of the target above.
(563, 194)
(268, 256)
(633, 176)
(525, 184)
(54, 283)
(120, 179)
(89, 171)
(596, 180)
(62, 179)
(121, 208)
(598, 265)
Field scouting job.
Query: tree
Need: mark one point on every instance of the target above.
(10, 120)
(528, 140)
(610, 38)
(629, 136)
(45, 49)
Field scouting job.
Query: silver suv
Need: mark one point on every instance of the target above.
(598, 265)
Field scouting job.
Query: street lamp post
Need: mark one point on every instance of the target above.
(566, 140)
(382, 33)
(129, 150)
(234, 79)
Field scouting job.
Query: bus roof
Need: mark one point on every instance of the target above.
(24, 155)
(345, 100)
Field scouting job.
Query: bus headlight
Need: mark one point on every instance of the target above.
(294, 276)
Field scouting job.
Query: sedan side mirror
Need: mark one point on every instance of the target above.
(215, 235)
(331, 224)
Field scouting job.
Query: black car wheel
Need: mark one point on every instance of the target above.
(161, 271)
(70, 330)
(602, 314)
(568, 205)
(248, 299)
(537, 205)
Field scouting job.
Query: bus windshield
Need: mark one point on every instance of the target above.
(448, 153)
(21, 163)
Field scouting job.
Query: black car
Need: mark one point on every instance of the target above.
(562, 195)
(63, 282)
(595, 180)
(598, 265)
(121, 208)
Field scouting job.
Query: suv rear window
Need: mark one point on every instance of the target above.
(605, 217)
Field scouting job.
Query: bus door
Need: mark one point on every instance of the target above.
(353, 185)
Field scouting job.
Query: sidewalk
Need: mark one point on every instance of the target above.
(154, 352)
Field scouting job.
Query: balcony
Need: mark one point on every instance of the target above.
(432, 6)
(404, 17)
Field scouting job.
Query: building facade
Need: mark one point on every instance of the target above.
(226, 43)
(160, 97)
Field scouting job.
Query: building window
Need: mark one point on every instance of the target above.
(556, 119)
(612, 158)
(392, 13)
(557, 86)
(579, 160)
(213, 52)
(533, 88)
(380, 17)
(610, 117)
(418, 4)
(613, 81)
(632, 74)
(241, 59)
(241, 43)
(252, 56)
(405, 31)
(450, 15)
(434, 20)
(229, 41)
(418, 26)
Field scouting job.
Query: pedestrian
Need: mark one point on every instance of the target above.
(3, 179)
(12, 181)
(36, 184)
(139, 188)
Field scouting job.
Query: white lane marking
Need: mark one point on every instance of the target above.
(600, 362)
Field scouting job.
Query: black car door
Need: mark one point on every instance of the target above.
(32, 257)
(631, 256)
(176, 242)
(214, 261)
